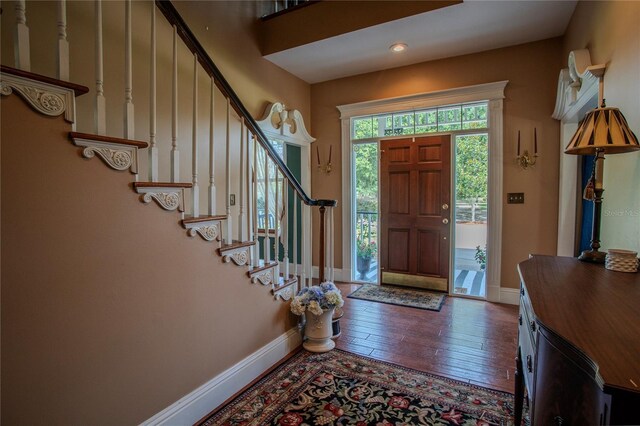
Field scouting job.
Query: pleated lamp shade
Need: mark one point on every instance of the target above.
(605, 129)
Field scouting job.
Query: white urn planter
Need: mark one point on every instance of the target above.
(318, 332)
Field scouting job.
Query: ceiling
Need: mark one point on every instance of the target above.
(469, 27)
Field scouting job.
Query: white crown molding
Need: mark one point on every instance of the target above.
(117, 156)
(277, 122)
(169, 198)
(476, 93)
(197, 404)
(45, 98)
(577, 85)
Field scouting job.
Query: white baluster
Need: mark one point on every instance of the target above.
(285, 228)
(195, 190)
(309, 250)
(175, 153)
(63, 44)
(256, 248)
(21, 38)
(295, 234)
(248, 185)
(229, 238)
(241, 186)
(276, 228)
(101, 102)
(128, 85)
(212, 182)
(267, 249)
(153, 149)
(303, 248)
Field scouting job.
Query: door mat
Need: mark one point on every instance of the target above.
(420, 299)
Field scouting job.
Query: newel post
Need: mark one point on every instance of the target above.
(322, 242)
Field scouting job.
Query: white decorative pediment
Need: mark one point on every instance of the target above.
(577, 85)
(287, 125)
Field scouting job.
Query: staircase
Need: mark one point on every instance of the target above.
(253, 172)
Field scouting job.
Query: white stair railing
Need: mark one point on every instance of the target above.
(251, 166)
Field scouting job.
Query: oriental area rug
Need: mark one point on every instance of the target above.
(400, 296)
(340, 388)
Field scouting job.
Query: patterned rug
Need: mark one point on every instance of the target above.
(400, 296)
(340, 388)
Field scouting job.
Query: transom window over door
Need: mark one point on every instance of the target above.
(473, 117)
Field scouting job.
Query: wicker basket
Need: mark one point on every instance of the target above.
(622, 260)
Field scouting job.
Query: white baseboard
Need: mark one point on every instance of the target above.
(192, 407)
(510, 296)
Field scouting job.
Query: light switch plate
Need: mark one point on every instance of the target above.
(515, 198)
(232, 199)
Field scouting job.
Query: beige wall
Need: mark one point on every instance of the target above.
(609, 29)
(532, 71)
(110, 313)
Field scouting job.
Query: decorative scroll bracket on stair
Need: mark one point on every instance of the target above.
(237, 253)
(285, 291)
(45, 98)
(117, 156)
(209, 227)
(169, 196)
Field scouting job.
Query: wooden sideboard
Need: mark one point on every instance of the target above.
(578, 343)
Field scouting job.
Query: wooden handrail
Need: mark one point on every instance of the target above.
(192, 43)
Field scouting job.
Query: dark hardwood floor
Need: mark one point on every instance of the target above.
(468, 340)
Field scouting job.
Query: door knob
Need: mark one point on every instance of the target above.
(445, 207)
(445, 220)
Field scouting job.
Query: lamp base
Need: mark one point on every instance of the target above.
(592, 256)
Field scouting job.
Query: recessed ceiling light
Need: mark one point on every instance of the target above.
(398, 47)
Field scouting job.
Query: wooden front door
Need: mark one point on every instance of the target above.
(415, 200)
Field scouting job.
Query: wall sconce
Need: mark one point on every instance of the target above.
(325, 168)
(526, 160)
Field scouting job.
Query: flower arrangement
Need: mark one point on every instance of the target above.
(316, 299)
(366, 250)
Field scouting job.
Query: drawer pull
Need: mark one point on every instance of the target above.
(522, 291)
(529, 366)
(520, 319)
(558, 420)
(532, 324)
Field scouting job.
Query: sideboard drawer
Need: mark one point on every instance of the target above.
(527, 348)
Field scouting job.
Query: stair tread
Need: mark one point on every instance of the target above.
(235, 245)
(282, 283)
(108, 139)
(161, 185)
(203, 219)
(257, 269)
(77, 88)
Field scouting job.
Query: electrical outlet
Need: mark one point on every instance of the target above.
(515, 198)
(232, 199)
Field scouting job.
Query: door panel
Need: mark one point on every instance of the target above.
(428, 252)
(399, 258)
(414, 187)
(429, 195)
(399, 186)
